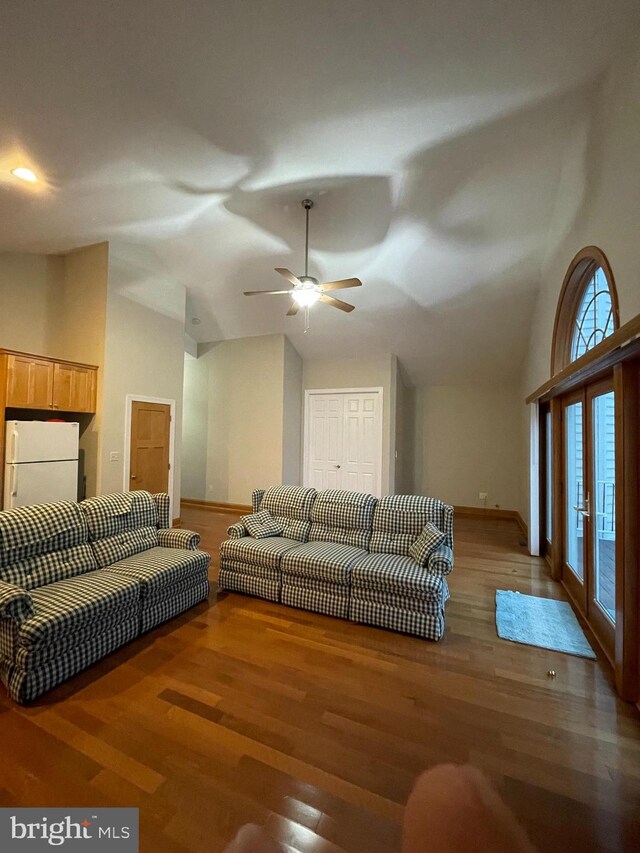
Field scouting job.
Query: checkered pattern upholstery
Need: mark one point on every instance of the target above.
(63, 607)
(43, 544)
(342, 517)
(236, 531)
(159, 570)
(316, 595)
(291, 506)
(395, 575)
(262, 524)
(121, 525)
(441, 561)
(182, 598)
(178, 537)
(25, 685)
(256, 499)
(399, 519)
(163, 508)
(356, 563)
(256, 552)
(15, 603)
(322, 560)
(60, 612)
(428, 541)
(262, 583)
(417, 622)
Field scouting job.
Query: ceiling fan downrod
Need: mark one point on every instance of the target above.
(307, 203)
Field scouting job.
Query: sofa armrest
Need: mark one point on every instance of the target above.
(15, 602)
(176, 537)
(440, 561)
(237, 531)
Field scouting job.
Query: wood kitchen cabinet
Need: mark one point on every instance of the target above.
(34, 382)
(74, 388)
(29, 382)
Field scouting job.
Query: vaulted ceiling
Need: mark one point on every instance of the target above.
(447, 145)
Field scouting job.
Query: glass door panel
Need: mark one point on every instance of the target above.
(604, 493)
(575, 498)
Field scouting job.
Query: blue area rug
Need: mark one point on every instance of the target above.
(540, 622)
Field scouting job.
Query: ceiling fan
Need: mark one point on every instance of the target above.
(307, 290)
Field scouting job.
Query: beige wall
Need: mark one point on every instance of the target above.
(604, 184)
(144, 356)
(468, 440)
(292, 415)
(82, 314)
(30, 287)
(245, 416)
(362, 373)
(55, 305)
(195, 413)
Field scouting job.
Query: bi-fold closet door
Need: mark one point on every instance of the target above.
(343, 440)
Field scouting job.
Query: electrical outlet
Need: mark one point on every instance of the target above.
(483, 496)
(114, 456)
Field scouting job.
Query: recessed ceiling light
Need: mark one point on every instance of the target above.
(24, 174)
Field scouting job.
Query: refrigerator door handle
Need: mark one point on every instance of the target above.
(14, 449)
(14, 480)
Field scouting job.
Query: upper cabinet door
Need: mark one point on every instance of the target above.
(29, 382)
(74, 388)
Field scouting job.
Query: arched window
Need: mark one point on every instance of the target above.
(587, 309)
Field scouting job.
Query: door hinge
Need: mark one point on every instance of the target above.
(169, 466)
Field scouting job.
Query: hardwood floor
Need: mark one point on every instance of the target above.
(243, 710)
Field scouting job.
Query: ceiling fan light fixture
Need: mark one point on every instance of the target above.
(305, 296)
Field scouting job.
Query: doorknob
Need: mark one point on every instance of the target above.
(133, 476)
(585, 509)
(337, 466)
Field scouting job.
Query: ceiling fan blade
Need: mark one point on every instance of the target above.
(336, 303)
(338, 285)
(293, 310)
(270, 292)
(288, 275)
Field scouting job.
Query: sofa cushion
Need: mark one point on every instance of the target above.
(343, 517)
(67, 605)
(399, 519)
(159, 570)
(43, 544)
(258, 552)
(290, 505)
(327, 561)
(121, 525)
(395, 573)
(429, 540)
(262, 524)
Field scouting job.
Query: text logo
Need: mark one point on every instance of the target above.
(38, 829)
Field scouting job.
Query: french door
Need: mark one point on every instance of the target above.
(589, 506)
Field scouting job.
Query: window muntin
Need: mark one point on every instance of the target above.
(594, 318)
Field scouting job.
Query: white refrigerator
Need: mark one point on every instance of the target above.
(41, 463)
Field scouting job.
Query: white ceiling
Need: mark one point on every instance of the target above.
(447, 144)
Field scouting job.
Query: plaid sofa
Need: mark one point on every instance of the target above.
(79, 580)
(346, 554)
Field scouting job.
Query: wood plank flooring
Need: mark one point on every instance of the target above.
(242, 710)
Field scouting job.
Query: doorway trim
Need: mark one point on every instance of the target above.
(126, 468)
(307, 431)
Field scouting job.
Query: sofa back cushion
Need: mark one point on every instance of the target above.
(290, 506)
(399, 519)
(43, 544)
(121, 525)
(342, 517)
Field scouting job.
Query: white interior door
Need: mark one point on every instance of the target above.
(343, 440)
